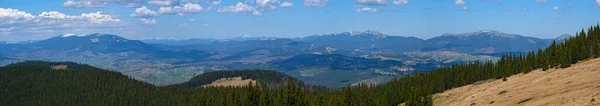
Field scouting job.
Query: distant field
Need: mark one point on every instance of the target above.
(235, 81)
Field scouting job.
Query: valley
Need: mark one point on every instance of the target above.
(334, 60)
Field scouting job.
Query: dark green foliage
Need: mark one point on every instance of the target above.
(32, 83)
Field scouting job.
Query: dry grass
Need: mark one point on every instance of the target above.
(59, 67)
(235, 81)
(578, 85)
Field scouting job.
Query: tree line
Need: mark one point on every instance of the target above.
(34, 84)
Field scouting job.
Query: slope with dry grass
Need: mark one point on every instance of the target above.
(234, 82)
(578, 85)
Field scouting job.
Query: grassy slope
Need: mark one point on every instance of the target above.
(574, 86)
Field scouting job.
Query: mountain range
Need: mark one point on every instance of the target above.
(334, 60)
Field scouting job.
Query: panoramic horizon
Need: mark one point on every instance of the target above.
(184, 19)
(300, 52)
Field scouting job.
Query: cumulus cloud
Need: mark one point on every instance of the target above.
(180, 10)
(555, 8)
(539, 1)
(598, 2)
(20, 22)
(97, 17)
(163, 2)
(400, 2)
(464, 8)
(240, 8)
(286, 4)
(216, 2)
(372, 2)
(271, 4)
(316, 3)
(144, 12)
(101, 3)
(148, 21)
(366, 9)
(460, 2)
(13, 16)
(254, 7)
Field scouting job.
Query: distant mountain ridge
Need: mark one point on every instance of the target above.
(369, 41)
(485, 42)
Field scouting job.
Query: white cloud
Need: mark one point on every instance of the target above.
(372, 2)
(216, 2)
(555, 8)
(192, 20)
(23, 23)
(183, 25)
(99, 17)
(525, 9)
(180, 10)
(148, 21)
(205, 25)
(366, 9)
(163, 2)
(598, 2)
(101, 3)
(240, 8)
(316, 3)
(254, 8)
(82, 4)
(460, 2)
(286, 4)
(400, 2)
(267, 4)
(144, 12)
(464, 8)
(539, 1)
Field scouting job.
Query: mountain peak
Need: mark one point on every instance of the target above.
(371, 33)
(82, 35)
(70, 34)
(95, 37)
(564, 36)
(493, 33)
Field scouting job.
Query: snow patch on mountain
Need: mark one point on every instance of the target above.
(485, 33)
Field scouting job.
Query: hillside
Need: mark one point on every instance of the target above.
(235, 82)
(574, 86)
(267, 78)
(68, 83)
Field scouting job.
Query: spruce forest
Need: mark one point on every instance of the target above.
(34, 83)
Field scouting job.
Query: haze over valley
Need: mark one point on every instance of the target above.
(299, 52)
(334, 60)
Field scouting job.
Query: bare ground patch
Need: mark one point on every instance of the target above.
(235, 81)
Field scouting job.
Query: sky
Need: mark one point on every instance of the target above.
(22, 20)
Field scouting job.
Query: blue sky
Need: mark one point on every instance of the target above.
(137, 19)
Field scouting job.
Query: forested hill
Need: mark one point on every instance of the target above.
(264, 77)
(68, 83)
